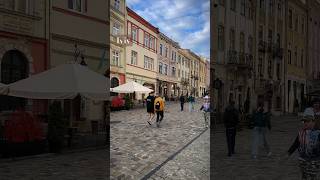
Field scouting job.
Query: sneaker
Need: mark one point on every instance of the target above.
(149, 123)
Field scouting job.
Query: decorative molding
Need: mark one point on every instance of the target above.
(78, 41)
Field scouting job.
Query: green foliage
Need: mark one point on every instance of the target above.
(57, 126)
(128, 102)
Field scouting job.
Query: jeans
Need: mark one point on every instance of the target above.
(190, 107)
(159, 116)
(231, 139)
(258, 137)
(181, 104)
(206, 116)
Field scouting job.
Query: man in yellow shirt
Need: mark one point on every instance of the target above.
(159, 109)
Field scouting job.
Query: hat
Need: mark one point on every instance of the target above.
(308, 114)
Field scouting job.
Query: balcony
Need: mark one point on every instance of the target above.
(262, 46)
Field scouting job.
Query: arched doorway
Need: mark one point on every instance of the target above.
(14, 67)
(114, 83)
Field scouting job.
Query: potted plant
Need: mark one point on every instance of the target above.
(56, 127)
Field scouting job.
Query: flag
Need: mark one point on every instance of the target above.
(102, 61)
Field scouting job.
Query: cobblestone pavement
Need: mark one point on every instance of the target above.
(242, 167)
(137, 149)
(89, 165)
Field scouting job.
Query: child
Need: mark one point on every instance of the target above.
(308, 145)
(206, 110)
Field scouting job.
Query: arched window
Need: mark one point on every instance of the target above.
(114, 83)
(14, 67)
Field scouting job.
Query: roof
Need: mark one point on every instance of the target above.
(140, 19)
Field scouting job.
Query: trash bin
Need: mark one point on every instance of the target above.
(94, 127)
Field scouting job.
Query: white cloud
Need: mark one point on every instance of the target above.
(185, 21)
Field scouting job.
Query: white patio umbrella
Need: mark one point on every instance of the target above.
(63, 82)
(131, 87)
(3, 88)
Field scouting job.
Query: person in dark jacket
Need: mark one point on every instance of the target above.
(182, 101)
(231, 119)
(261, 121)
(150, 107)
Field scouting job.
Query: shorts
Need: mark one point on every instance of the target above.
(150, 110)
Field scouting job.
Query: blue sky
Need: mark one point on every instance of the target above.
(185, 21)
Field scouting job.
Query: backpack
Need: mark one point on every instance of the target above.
(157, 106)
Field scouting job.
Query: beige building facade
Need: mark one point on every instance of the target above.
(183, 73)
(118, 42)
(141, 56)
(79, 31)
(167, 76)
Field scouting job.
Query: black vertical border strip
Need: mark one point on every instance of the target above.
(108, 103)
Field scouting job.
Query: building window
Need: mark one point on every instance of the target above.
(172, 55)
(242, 43)
(179, 59)
(233, 5)
(160, 67)
(221, 2)
(114, 83)
(134, 33)
(302, 25)
(151, 42)
(260, 65)
(289, 56)
(146, 40)
(166, 51)
(221, 38)
(250, 44)
(279, 7)
(78, 5)
(14, 67)
(178, 73)
(278, 40)
(148, 63)
(262, 5)
(117, 4)
(295, 56)
(165, 69)
(116, 28)
(290, 19)
(269, 67)
(134, 58)
(302, 54)
(115, 58)
(250, 10)
(173, 72)
(270, 36)
(271, 7)
(161, 47)
(278, 71)
(24, 6)
(232, 39)
(260, 33)
(296, 23)
(243, 7)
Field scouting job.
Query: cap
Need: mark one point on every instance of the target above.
(308, 114)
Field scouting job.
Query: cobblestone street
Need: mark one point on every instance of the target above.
(242, 167)
(139, 151)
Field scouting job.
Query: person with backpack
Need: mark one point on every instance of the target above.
(159, 109)
(308, 144)
(150, 107)
(206, 110)
(231, 119)
(261, 121)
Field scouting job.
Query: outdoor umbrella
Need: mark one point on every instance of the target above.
(63, 82)
(3, 88)
(131, 87)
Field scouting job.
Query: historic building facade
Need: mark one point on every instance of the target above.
(167, 76)
(73, 38)
(23, 47)
(202, 76)
(141, 56)
(118, 41)
(296, 53)
(183, 73)
(313, 66)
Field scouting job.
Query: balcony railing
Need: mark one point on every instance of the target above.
(232, 57)
(262, 46)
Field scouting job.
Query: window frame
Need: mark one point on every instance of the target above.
(134, 61)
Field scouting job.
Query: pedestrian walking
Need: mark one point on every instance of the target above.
(231, 119)
(315, 110)
(206, 110)
(182, 101)
(150, 107)
(190, 103)
(159, 109)
(308, 144)
(261, 121)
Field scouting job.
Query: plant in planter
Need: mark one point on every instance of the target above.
(128, 102)
(57, 126)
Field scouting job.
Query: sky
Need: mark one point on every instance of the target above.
(184, 21)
